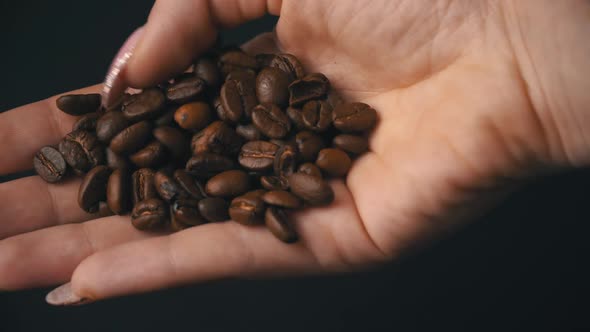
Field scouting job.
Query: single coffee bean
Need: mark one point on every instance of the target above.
(148, 104)
(205, 165)
(110, 124)
(236, 60)
(228, 184)
(185, 213)
(191, 185)
(131, 138)
(50, 164)
(93, 188)
(174, 140)
(167, 187)
(238, 94)
(78, 104)
(312, 189)
(222, 114)
(308, 145)
(115, 161)
(185, 89)
(310, 87)
(86, 122)
(258, 193)
(249, 132)
(317, 115)
(247, 209)
(231, 105)
(142, 184)
(272, 86)
(273, 182)
(334, 162)
(81, 150)
(150, 214)
(214, 209)
(278, 224)
(258, 155)
(264, 59)
(289, 64)
(167, 117)
(193, 116)
(351, 143)
(296, 117)
(282, 199)
(206, 69)
(354, 117)
(151, 156)
(310, 169)
(271, 121)
(119, 191)
(285, 161)
(217, 138)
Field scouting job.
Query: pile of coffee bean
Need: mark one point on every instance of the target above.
(239, 137)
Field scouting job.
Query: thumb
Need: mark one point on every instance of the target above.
(176, 32)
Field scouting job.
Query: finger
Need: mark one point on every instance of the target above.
(49, 256)
(24, 130)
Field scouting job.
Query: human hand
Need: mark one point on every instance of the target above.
(443, 149)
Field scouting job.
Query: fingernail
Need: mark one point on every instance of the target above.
(63, 295)
(113, 86)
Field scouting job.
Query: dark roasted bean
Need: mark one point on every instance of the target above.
(118, 191)
(278, 224)
(289, 64)
(148, 104)
(236, 60)
(50, 164)
(272, 86)
(249, 132)
(258, 155)
(115, 161)
(205, 165)
(308, 145)
(282, 198)
(81, 150)
(86, 122)
(109, 125)
(271, 121)
(174, 140)
(354, 117)
(142, 185)
(351, 143)
(190, 184)
(317, 115)
(273, 182)
(206, 69)
(185, 89)
(334, 162)
(184, 213)
(167, 187)
(312, 189)
(285, 161)
(78, 104)
(150, 214)
(310, 169)
(131, 138)
(310, 87)
(247, 209)
(228, 184)
(150, 156)
(93, 188)
(217, 138)
(214, 209)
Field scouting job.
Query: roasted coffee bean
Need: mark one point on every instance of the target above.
(185, 89)
(334, 162)
(167, 117)
(308, 145)
(217, 138)
(142, 185)
(238, 94)
(289, 64)
(86, 122)
(296, 117)
(222, 114)
(78, 104)
(282, 198)
(272, 86)
(264, 59)
(93, 188)
(184, 213)
(310, 87)
(110, 124)
(50, 164)
(236, 60)
(205, 165)
(317, 115)
(249, 132)
(148, 104)
(273, 182)
(206, 69)
(119, 191)
(258, 155)
(81, 150)
(228, 184)
(174, 140)
(278, 224)
(193, 116)
(151, 156)
(115, 161)
(312, 189)
(351, 143)
(231, 102)
(214, 209)
(258, 193)
(167, 187)
(271, 121)
(247, 209)
(131, 138)
(285, 161)
(150, 214)
(191, 185)
(310, 169)
(354, 117)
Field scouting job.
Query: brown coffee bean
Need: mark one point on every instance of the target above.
(174, 140)
(249, 132)
(310, 169)
(285, 161)
(271, 121)
(119, 192)
(114, 161)
(238, 94)
(151, 156)
(131, 138)
(272, 86)
(167, 117)
(354, 117)
(150, 214)
(283, 199)
(247, 209)
(78, 104)
(334, 162)
(264, 59)
(312, 189)
(217, 138)
(50, 164)
(214, 209)
(236, 59)
(351, 143)
(185, 89)
(310, 87)
(257, 155)
(110, 124)
(145, 105)
(205, 165)
(289, 64)
(167, 187)
(93, 188)
(142, 185)
(231, 105)
(296, 117)
(278, 224)
(317, 115)
(86, 122)
(193, 116)
(191, 185)
(228, 184)
(184, 213)
(206, 69)
(308, 145)
(81, 150)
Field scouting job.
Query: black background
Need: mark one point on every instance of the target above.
(518, 268)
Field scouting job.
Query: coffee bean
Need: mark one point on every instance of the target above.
(191, 185)
(310, 87)
(142, 185)
(258, 155)
(310, 169)
(272, 86)
(81, 150)
(131, 138)
(282, 199)
(271, 121)
(184, 213)
(78, 104)
(285, 161)
(308, 145)
(174, 140)
(334, 162)
(185, 90)
(93, 188)
(249, 132)
(312, 189)
(206, 69)
(150, 156)
(119, 191)
(231, 102)
(351, 143)
(217, 138)
(148, 104)
(214, 209)
(317, 115)
(273, 182)
(167, 117)
(289, 64)
(296, 117)
(247, 209)
(205, 165)
(236, 60)
(264, 59)
(110, 124)
(86, 122)
(115, 161)
(193, 116)
(354, 117)
(50, 164)
(167, 187)
(228, 184)
(238, 94)
(150, 214)
(278, 224)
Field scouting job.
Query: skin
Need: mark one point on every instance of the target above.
(474, 98)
